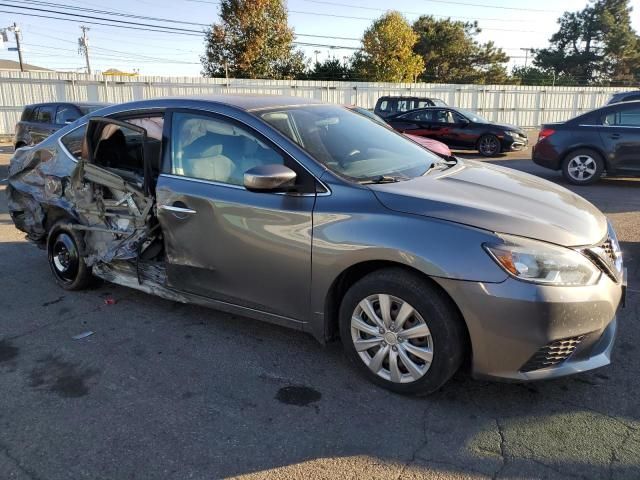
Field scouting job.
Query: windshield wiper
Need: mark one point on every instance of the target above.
(384, 179)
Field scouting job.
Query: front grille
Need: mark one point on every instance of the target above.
(552, 354)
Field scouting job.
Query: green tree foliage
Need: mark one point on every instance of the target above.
(452, 55)
(387, 51)
(532, 75)
(252, 40)
(330, 69)
(594, 45)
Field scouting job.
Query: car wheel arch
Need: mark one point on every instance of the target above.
(357, 271)
(574, 148)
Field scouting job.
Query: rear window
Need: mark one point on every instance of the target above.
(27, 114)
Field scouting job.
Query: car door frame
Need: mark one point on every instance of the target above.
(617, 160)
(274, 140)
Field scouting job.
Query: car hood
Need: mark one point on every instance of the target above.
(498, 199)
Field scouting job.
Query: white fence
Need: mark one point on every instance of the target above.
(527, 106)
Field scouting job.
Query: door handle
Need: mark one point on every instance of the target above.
(615, 136)
(177, 209)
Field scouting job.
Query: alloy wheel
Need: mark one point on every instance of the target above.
(489, 145)
(582, 167)
(392, 338)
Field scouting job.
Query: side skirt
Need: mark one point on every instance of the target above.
(153, 281)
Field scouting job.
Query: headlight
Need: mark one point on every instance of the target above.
(540, 262)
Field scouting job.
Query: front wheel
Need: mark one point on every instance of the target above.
(65, 260)
(489, 146)
(402, 332)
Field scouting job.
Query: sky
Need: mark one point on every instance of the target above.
(512, 24)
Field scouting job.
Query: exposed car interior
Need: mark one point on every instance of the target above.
(208, 149)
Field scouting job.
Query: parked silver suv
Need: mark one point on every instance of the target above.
(314, 217)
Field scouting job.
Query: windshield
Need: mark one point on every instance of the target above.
(350, 144)
(474, 117)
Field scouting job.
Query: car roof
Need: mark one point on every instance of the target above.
(248, 103)
(405, 97)
(78, 104)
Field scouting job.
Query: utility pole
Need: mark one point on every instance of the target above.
(317, 52)
(83, 46)
(526, 55)
(16, 31)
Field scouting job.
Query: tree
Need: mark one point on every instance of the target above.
(330, 69)
(252, 40)
(532, 75)
(387, 51)
(452, 55)
(594, 45)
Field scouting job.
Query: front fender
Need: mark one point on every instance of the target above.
(365, 231)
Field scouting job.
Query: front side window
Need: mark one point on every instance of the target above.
(75, 143)
(419, 116)
(625, 118)
(444, 116)
(349, 144)
(66, 114)
(206, 148)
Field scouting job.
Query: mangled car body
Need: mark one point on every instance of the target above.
(313, 217)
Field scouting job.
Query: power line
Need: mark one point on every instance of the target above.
(375, 9)
(142, 17)
(142, 26)
(482, 5)
(368, 19)
(176, 29)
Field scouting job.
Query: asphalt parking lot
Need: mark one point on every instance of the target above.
(164, 390)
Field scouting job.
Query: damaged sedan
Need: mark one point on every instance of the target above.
(313, 217)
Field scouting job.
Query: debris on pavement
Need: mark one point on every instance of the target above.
(82, 335)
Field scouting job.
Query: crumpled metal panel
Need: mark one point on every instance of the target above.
(46, 184)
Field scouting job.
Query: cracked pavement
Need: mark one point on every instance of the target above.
(164, 390)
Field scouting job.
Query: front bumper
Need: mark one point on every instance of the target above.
(514, 143)
(522, 331)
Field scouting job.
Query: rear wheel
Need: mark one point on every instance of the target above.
(489, 146)
(402, 333)
(583, 167)
(65, 260)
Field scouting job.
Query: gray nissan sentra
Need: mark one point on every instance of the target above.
(314, 217)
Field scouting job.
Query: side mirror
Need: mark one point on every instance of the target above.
(464, 122)
(269, 178)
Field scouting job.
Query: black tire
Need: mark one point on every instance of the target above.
(583, 157)
(489, 145)
(64, 247)
(447, 329)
